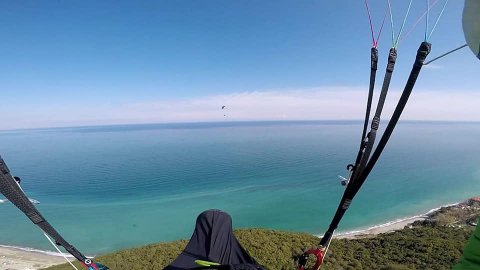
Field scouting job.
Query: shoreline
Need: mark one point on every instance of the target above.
(390, 226)
(20, 258)
(25, 258)
(382, 228)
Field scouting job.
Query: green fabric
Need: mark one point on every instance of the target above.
(205, 263)
(471, 254)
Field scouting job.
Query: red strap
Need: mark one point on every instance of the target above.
(90, 266)
(319, 254)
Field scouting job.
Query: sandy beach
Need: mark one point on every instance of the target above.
(385, 228)
(19, 259)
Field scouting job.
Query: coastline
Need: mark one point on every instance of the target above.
(18, 258)
(21, 258)
(391, 226)
(382, 228)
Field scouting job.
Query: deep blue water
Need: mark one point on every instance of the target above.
(111, 187)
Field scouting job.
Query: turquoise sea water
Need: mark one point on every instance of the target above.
(112, 187)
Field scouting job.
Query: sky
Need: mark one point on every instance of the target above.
(76, 63)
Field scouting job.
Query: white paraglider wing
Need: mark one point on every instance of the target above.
(471, 25)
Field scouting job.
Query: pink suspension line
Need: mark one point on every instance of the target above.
(371, 24)
(381, 28)
(372, 31)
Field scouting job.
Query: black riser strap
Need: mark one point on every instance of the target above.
(392, 58)
(11, 190)
(354, 187)
(422, 54)
(373, 74)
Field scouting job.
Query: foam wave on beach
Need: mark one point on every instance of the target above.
(388, 226)
(27, 249)
(438, 208)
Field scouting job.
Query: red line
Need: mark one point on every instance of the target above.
(381, 28)
(371, 25)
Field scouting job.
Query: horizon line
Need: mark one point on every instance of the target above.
(219, 123)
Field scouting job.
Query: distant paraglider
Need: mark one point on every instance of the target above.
(223, 108)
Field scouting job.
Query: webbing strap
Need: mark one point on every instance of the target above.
(10, 189)
(370, 139)
(365, 150)
(422, 54)
(355, 186)
(373, 73)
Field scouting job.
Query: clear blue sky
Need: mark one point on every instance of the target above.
(66, 63)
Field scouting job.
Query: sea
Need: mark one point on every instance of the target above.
(106, 188)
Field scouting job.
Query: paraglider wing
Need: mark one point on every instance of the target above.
(471, 25)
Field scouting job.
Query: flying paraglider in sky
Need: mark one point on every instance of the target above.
(223, 108)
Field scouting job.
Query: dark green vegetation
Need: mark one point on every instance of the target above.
(436, 243)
